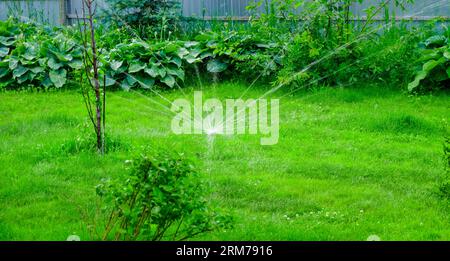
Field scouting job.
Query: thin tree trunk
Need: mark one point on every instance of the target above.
(347, 19)
(98, 102)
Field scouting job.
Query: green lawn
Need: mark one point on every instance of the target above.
(350, 163)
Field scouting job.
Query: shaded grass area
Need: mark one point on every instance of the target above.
(349, 163)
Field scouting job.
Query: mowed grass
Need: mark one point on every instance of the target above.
(350, 163)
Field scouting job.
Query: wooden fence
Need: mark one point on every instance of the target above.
(65, 11)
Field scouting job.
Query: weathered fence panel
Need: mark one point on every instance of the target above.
(65, 11)
(45, 11)
(420, 10)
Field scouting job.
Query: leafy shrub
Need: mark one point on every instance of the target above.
(386, 57)
(435, 63)
(146, 17)
(144, 64)
(8, 37)
(243, 51)
(38, 56)
(160, 199)
(302, 51)
(325, 48)
(50, 61)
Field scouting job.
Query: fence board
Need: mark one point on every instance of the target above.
(64, 11)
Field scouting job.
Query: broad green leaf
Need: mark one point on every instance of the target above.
(203, 37)
(176, 72)
(13, 62)
(447, 54)
(206, 55)
(47, 82)
(19, 71)
(130, 79)
(30, 54)
(53, 64)
(136, 67)
(62, 57)
(58, 77)
(77, 53)
(145, 81)
(266, 45)
(448, 72)
(23, 78)
(27, 62)
(125, 85)
(37, 69)
(427, 55)
(76, 64)
(190, 44)
(216, 66)
(182, 52)
(169, 80)
(3, 72)
(43, 62)
(419, 77)
(195, 52)
(436, 40)
(100, 80)
(152, 71)
(162, 71)
(7, 41)
(4, 51)
(108, 80)
(176, 60)
(31, 75)
(190, 59)
(115, 65)
(170, 48)
(430, 65)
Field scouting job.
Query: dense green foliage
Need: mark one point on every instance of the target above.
(326, 48)
(150, 18)
(435, 62)
(161, 198)
(37, 56)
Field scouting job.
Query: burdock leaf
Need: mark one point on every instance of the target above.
(136, 67)
(53, 64)
(115, 65)
(58, 77)
(216, 66)
(19, 71)
(169, 80)
(4, 51)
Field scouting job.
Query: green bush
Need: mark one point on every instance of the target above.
(274, 48)
(241, 52)
(145, 64)
(146, 17)
(300, 52)
(162, 198)
(37, 56)
(388, 56)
